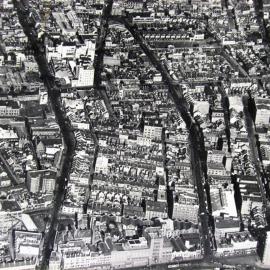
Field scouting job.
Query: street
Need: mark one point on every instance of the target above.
(63, 122)
(14, 180)
(253, 147)
(100, 49)
(196, 136)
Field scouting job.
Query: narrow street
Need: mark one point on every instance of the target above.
(100, 50)
(3, 163)
(258, 5)
(226, 109)
(93, 165)
(253, 148)
(135, 135)
(195, 134)
(169, 191)
(100, 89)
(32, 145)
(64, 124)
(234, 64)
(224, 52)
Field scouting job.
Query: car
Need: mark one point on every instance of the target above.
(173, 266)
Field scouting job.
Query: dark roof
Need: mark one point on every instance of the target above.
(49, 141)
(156, 206)
(104, 248)
(9, 103)
(8, 205)
(109, 243)
(43, 173)
(227, 222)
(178, 244)
(193, 238)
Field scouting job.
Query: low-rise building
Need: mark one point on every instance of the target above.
(225, 224)
(9, 108)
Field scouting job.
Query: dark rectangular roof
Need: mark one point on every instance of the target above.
(9, 205)
(9, 103)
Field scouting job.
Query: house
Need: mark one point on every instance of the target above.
(262, 115)
(226, 224)
(217, 115)
(9, 108)
(186, 211)
(132, 210)
(153, 132)
(102, 165)
(156, 209)
(48, 146)
(41, 180)
(215, 156)
(236, 244)
(216, 169)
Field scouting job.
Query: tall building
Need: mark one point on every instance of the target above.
(266, 4)
(153, 132)
(85, 76)
(33, 183)
(156, 209)
(160, 247)
(48, 184)
(9, 217)
(262, 116)
(102, 165)
(7, 4)
(42, 180)
(226, 224)
(266, 252)
(185, 211)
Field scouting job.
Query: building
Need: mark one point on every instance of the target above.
(7, 133)
(48, 184)
(266, 252)
(9, 212)
(85, 76)
(47, 147)
(185, 211)
(77, 260)
(225, 224)
(217, 115)
(132, 210)
(44, 129)
(153, 132)
(27, 244)
(42, 180)
(186, 247)
(23, 264)
(156, 209)
(7, 4)
(266, 4)
(63, 24)
(9, 108)
(134, 253)
(262, 116)
(160, 246)
(215, 156)
(216, 169)
(72, 50)
(222, 201)
(74, 20)
(236, 244)
(33, 183)
(102, 165)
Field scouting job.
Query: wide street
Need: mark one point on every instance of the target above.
(62, 120)
(195, 137)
